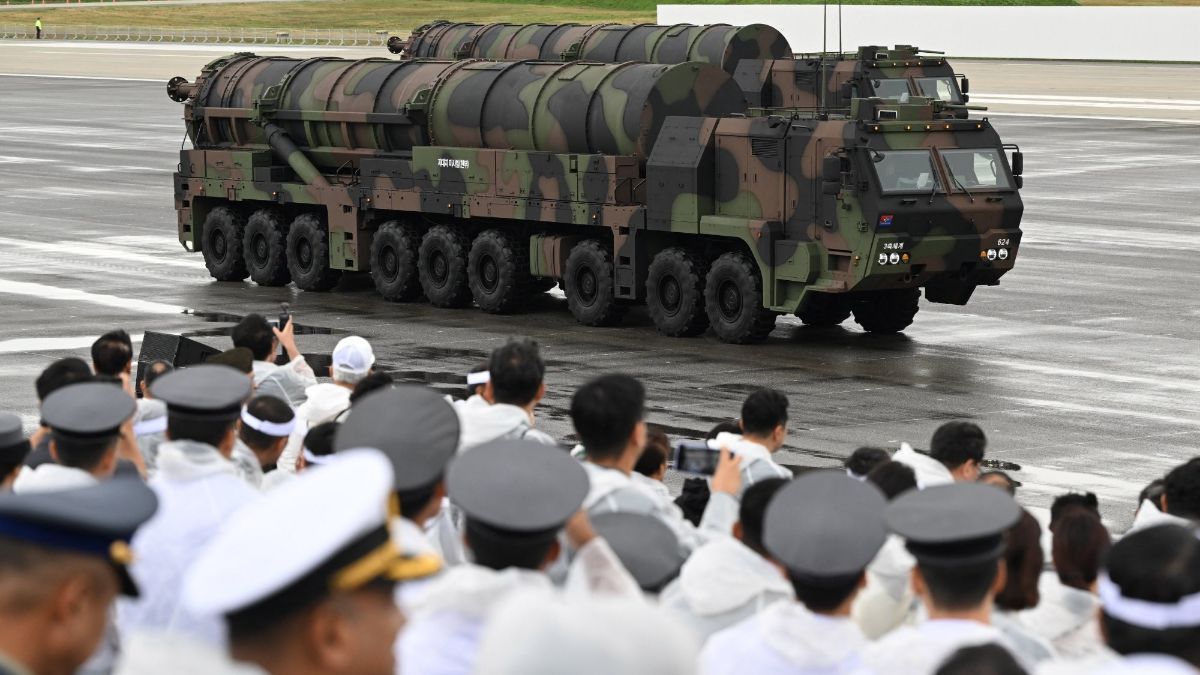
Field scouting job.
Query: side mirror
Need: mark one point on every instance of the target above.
(1018, 163)
(1020, 181)
(965, 86)
(831, 169)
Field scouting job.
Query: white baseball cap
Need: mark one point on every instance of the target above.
(353, 355)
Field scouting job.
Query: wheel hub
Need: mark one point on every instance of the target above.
(585, 281)
(305, 254)
(669, 294)
(390, 263)
(261, 249)
(438, 268)
(730, 300)
(220, 246)
(489, 274)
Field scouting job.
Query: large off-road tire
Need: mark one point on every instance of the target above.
(394, 252)
(590, 285)
(308, 254)
(442, 267)
(825, 309)
(733, 299)
(498, 272)
(887, 311)
(675, 293)
(264, 248)
(221, 242)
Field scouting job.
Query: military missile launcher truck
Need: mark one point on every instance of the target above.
(758, 56)
(486, 182)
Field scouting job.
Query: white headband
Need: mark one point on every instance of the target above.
(154, 425)
(482, 377)
(315, 459)
(268, 428)
(1184, 613)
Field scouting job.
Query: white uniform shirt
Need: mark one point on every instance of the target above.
(888, 600)
(198, 489)
(52, 477)
(324, 403)
(1134, 664)
(721, 584)
(1067, 618)
(287, 382)
(921, 649)
(785, 639)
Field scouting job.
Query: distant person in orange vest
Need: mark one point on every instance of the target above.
(38, 26)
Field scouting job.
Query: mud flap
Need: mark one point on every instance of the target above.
(949, 291)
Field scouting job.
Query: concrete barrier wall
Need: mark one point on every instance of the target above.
(1119, 33)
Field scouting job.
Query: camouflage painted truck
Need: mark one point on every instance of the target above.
(486, 182)
(758, 56)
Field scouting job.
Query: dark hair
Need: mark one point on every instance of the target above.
(729, 427)
(1023, 558)
(764, 410)
(824, 594)
(893, 478)
(81, 453)
(1010, 485)
(201, 431)
(112, 352)
(655, 454)
(319, 439)
(605, 412)
(61, 373)
(500, 549)
(864, 459)
(1072, 500)
(254, 333)
(517, 372)
(985, 659)
(957, 587)
(753, 511)
(1080, 543)
(956, 443)
(415, 500)
(371, 382)
(268, 409)
(1153, 493)
(155, 370)
(1181, 487)
(473, 389)
(1158, 564)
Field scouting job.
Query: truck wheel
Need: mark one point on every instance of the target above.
(590, 287)
(442, 267)
(824, 309)
(498, 272)
(308, 254)
(221, 242)
(887, 311)
(733, 300)
(675, 293)
(264, 248)
(394, 261)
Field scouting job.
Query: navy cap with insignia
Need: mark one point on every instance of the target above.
(517, 486)
(204, 392)
(255, 572)
(825, 524)
(647, 548)
(959, 523)
(14, 447)
(413, 426)
(97, 520)
(87, 410)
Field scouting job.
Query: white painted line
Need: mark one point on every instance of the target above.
(1106, 118)
(92, 250)
(1105, 99)
(54, 293)
(82, 77)
(52, 344)
(1086, 104)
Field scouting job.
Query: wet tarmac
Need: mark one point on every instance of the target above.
(1083, 367)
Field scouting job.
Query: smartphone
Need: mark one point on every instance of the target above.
(285, 315)
(696, 457)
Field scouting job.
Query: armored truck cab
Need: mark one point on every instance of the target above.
(477, 182)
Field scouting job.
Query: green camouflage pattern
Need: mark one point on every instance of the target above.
(641, 157)
(719, 44)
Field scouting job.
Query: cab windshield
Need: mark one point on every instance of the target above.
(894, 88)
(906, 171)
(977, 169)
(942, 88)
